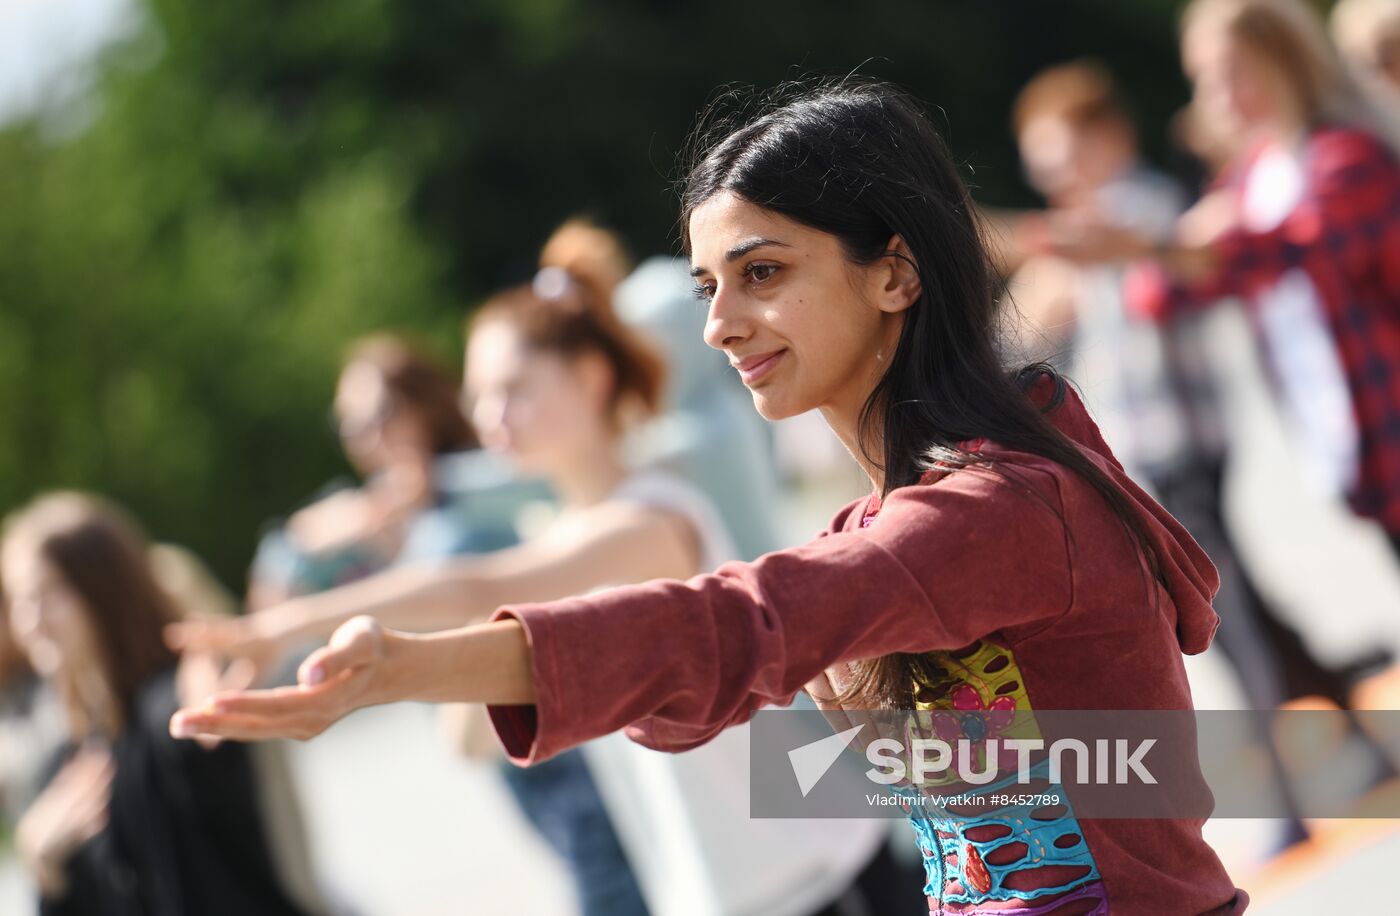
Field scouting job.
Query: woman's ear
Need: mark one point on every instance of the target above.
(901, 284)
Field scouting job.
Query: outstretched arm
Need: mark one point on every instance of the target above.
(367, 665)
(677, 662)
(620, 543)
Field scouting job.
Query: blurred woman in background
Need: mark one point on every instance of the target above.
(129, 821)
(1305, 226)
(399, 421)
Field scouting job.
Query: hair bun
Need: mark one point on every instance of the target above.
(554, 284)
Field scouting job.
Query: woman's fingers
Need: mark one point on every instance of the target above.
(91, 765)
(241, 674)
(91, 826)
(206, 644)
(91, 801)
(282, 712)
(331, 680)
(237, 728)
(99, 769)
(355, 644)
(72, 809)
(203, 635)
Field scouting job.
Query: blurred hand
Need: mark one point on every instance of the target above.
(252, 648)
(826, 690)
(1087, 238)
(1210, 217)
(332, 682)
(201, 675)
(71, 810)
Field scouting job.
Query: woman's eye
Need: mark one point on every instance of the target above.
(704, 291)
(758, 273)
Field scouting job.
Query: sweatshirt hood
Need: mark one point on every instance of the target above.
(1188, 574)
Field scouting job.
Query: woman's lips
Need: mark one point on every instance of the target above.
(752, 372)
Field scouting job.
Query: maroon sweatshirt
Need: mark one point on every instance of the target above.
(965, 566)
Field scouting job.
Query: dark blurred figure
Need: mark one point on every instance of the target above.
(129, 820)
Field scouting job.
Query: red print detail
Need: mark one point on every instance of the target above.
(977, 875)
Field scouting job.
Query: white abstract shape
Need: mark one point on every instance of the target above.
(811, 761)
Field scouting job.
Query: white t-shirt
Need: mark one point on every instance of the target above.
(683, 819)
(1301, 347)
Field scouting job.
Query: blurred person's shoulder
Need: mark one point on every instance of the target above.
(1333, 147)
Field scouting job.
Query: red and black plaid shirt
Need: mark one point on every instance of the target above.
(1345, 233)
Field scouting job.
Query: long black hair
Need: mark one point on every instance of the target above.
(861, 160)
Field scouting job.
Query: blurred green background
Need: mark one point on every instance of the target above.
(187, 246)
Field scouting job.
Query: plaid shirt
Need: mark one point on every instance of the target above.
(1344, 233)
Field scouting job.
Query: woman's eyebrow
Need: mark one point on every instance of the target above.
(741, 249)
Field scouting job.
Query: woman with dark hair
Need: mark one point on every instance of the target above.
(1003, 562)
(555, 380)
(130, 821)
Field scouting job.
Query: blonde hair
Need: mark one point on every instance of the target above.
(1360, 27)
(1290, 34)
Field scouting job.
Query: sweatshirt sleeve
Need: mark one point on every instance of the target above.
(677, 662)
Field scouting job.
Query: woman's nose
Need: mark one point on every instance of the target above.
(725, 325)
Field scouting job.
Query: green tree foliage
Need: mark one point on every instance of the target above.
(254, 184)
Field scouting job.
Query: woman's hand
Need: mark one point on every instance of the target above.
(332, 682)
(366, 664)
(1208, 219)
(827, 690)
(1086, 238)
(201, 675)
(69, 812)
(252, 644)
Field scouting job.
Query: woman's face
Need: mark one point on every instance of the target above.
(1233, 84)
(804, 326)
(1066, 162)
(374, 432)
(48, 620)
(535, 406)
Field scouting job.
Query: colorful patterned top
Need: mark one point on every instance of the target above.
(1029, 594)
(1023, 859)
